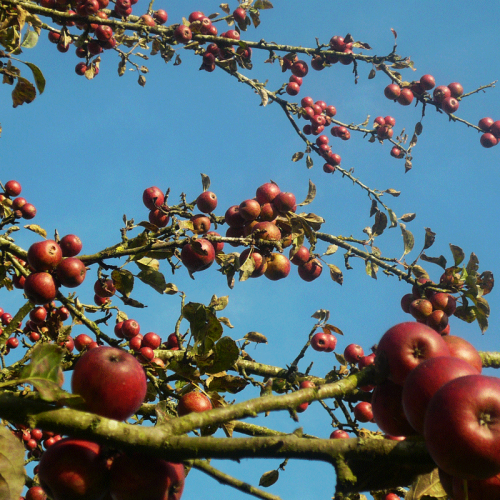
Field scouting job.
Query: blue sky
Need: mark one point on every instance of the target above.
(84, 152)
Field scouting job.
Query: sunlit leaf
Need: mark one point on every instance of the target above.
(408, 239)
(311, 194)
(269, 478)
(12, 473)
(37, 229)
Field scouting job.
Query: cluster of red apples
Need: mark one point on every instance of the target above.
(51, 264)
(300, 68)
(435, 389)
(263, 218)
(10, 197)
(112, 384)
(444, 96)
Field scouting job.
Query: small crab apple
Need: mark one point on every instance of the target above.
(153, 197)
(284, 202)
(485, 124)
(218, 245)
(206, 202)
(201, 224)
(339, 434)
(71, 245)
(306, 101)
(38, 315)
(295, 79)
(440, 93)
(148, 20)
(292, 89)
(449, 105)
(250, 209)
(159, 217)
(278, 267)
(363, 412)
(183, 34)
(198, 255)
(13, 188)
(40, 288)
(267, 192)
(299, 256)
(427, 82)
(44, 255)
(310, 270)
(397, 152)
(239, 15)
(385, 132)
(392, 91)
(111, 381)
(71, 272)
(320, 341)
(104, 288)
(337, 43)
(300, 68)
(353, 353)
(152, 340)
(130, 328)
(456, 89)
(80, 69)
(82, 341)
(193, 402)
(495, 129)
(160, 16)
(405, 97)
(487, 141)
(103, 32)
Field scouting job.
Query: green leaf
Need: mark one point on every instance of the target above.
(18, 317)
(473, 264)
(205, 326)
(38, 75)
(44, 371)
(297, 156)
(426, 485)
(380, 223)
(309, 161)
(226, 354)
(227, 383)
(123, 280)
(311, 194)
(429, 238)
(205, 181)
(219, 303)
(12, 473)
(147, 264)
(30, 39)
(156, 280)
(408, 239)
(440, 261)
(24, 92)
(263, 4)
(269, 478)
(393, 218)
(458, 254)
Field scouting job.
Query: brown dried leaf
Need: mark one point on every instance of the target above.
(336, 274)
(256, 337)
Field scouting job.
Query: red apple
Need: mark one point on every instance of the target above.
(363, 412)
(71, 272)
(310, 270)
(267, 192)
(423, 382)
(388, 411)
(111, 381)
(353, 353)
(462, 349)
(406, 345)
(73, 469)
(44, 255)
(136, 476)
(193, 402)
(198, 255)
(278, 267)
(462, 427)
(40, 288)
(153, 197)
(206, 202)
(71, 245)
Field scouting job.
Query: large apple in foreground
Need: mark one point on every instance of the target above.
(462, 427)
(142, 477)
(73, 469)
(406, 345)
(425, 380)
(111, 381)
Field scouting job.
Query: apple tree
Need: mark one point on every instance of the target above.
(133, 362)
